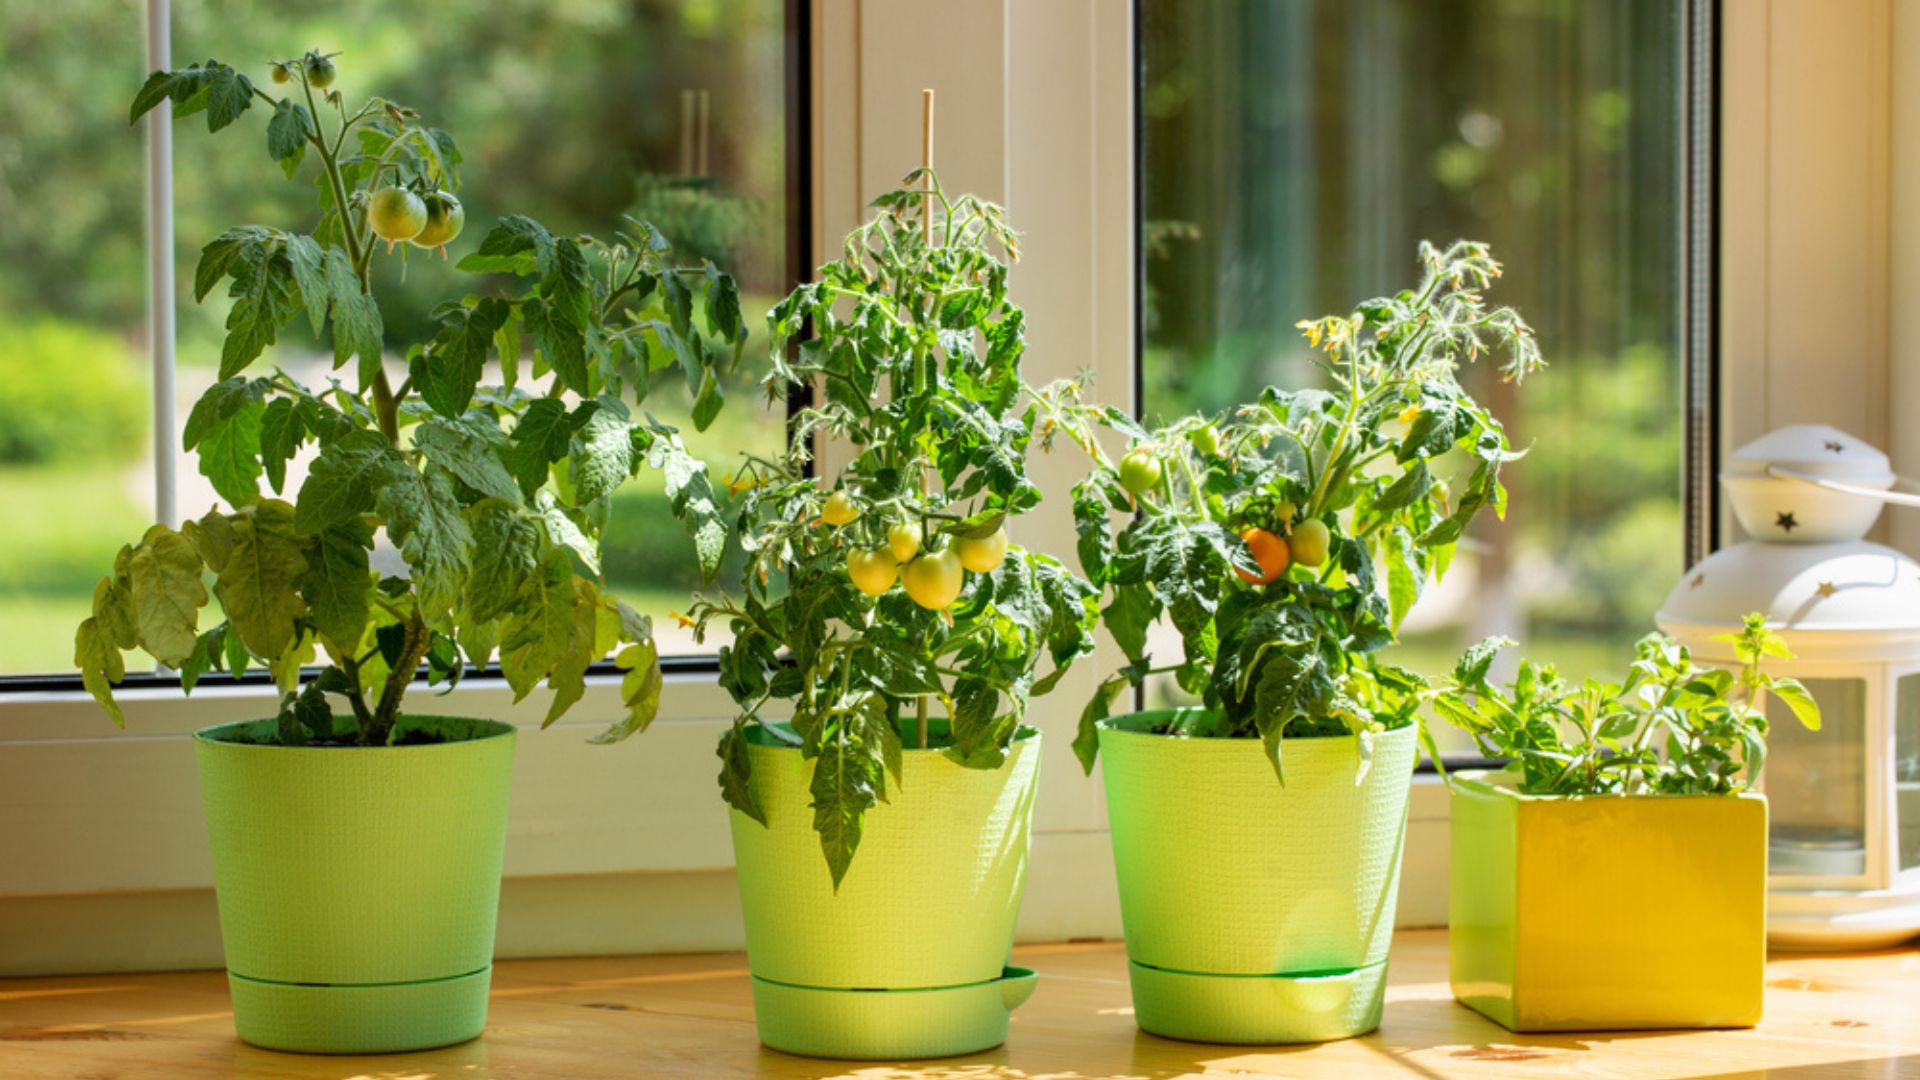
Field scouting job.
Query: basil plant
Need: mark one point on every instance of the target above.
(1669, 727)
(881, 605)
(494, 493)
(1285, 540)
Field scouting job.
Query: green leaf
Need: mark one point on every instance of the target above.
(567, 287)
(217, 259)
(1402, 492)
(1086, 739)
(100, 666)
(212, 536)
(690, 494)
(537, 637)
(1797, 698)
(639, 689)
(736, 773)
(723, 305)
(463, 448)
(1129, 616)
(561, 343)
(507, 554)
(515, 245)
(447, 373)
(543, 436)
(339, 485)
(357, 327)
(568, 679)
(264, 296)
(225, 427)
(844, 789)
(167, 594)
(602, 455)
(258, 586)
(287, 134)
(214, 88)
(206, 656)
(564, 532)
(338, 581)
(282, 431)
(1404, 576)
(706, 404)
(425, 522)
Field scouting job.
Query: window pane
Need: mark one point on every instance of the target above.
(1906, 768)
(1295, 154)
(1816, 783)
(75, 469)
(673, 111)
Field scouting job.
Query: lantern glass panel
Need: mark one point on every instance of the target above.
(1906, 768)
(1816, 783)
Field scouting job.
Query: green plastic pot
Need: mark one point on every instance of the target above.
(1255, 912)
(357, 886)
(909, 958)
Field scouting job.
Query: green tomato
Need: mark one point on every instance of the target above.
(1139, 471)
(282, 74)
(1309, 542)
(445, 218)
(396, 214)
(319, 71)
(1205, 439)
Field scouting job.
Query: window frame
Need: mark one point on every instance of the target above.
(1699, 274)
(797, 79)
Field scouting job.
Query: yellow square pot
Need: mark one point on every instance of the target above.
(1607, 912)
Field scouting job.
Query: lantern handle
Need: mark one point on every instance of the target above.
(1898, 498)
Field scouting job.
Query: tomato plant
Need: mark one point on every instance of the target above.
(1670, 727)
(1279, 639)
(495, 495)
(917, 343)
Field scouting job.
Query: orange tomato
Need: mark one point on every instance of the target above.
(1268, 550)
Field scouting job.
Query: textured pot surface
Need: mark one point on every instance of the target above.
(927, 907)
(1607, 912)
(1226, 873)
(357, 887)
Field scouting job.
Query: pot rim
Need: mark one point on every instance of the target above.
(1022, 735)
(494, 730)
(1113, 725)
(1488, 782)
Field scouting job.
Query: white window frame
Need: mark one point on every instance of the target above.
(103, 865)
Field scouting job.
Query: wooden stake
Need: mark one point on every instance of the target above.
(926, 161)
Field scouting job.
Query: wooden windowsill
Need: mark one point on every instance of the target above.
(690, 1016)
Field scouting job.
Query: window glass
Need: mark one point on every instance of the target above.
(75, 470)
(1296, 153)
(573, 113)
(1815, 783)
(1906, 769)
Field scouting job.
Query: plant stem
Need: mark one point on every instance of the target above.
(418, 639)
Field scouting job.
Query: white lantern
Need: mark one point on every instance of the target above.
(1844, 802)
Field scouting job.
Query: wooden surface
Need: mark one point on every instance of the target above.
(689, 1016)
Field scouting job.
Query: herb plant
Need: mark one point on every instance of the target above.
(1258, 533)
(494, 494)
(917, 345)
(1671, 727)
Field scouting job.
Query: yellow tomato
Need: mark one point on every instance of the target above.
(934, 579)
(839, 509)
(904, 539)
(873, 569)
(982, 555)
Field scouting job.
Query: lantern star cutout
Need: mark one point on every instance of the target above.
(1698, 580)
(1826, 588)
(1785, 521)
(1834, 446)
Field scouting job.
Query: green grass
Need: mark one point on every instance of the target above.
(58, 537)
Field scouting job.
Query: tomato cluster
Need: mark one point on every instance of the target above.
(933, 577)
(428, 221)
